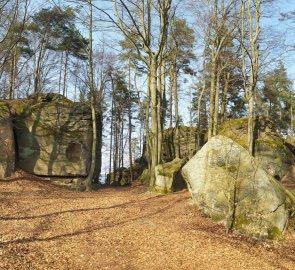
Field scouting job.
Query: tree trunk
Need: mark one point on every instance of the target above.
(224, 98)
(37, 83)
(12, 74)
(60, 72)
(65, 75)
(92, 170)
(161, 106)
(112, 123)
(146, 123)
(76, 82)
(251, 125)
(176, 142)
(212, 97)
(192, 134)
(130, 121)
(154, 124)
(216, 106)
(116, 146)
(171, 97)
(122, 141)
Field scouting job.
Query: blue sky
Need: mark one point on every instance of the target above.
(285, 6)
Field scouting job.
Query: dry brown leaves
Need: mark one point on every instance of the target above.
(46, 227)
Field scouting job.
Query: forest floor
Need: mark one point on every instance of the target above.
(43, 226)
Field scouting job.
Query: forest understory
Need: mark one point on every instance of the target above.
(44, 226)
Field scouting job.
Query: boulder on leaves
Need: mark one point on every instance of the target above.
(7, 147)
(120, 177)
(271, 150)
(168, 176)
(54, 136)
(230, 186)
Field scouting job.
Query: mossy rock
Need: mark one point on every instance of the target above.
(230, 186)
(4, 110)
(7, 148)
(145, 177)
(168, 177)
(270, 147)
(119, 178)
(236, 129)
(54, 135)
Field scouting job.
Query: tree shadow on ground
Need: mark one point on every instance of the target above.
(86, 230)
(122, 206)
(245, 243)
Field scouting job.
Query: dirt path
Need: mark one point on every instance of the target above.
(45, 227)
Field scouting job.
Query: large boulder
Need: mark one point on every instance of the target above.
(230, 186)
(168, 176)
(7, 148)
(271, 150)
(54, 136)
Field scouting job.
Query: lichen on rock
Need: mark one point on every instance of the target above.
(53, 135)
(230, 186)
(271, 150)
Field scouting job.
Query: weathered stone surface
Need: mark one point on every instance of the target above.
(119, 178)
(168, 176)
(122, 176)
(271, 150)
(230, 186)
(145, 176)
(54, 136)
(7, 148)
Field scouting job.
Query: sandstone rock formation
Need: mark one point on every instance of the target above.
(168, 176)
(122, 176)
(230, 186)
(271, 151)
(54, 137)
(7, 148)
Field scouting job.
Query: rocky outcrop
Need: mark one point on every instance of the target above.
(122, 176)
(271, 150)
(7, 147)
(53, 135)
(230, 186)
(187, 142)
(168, 177)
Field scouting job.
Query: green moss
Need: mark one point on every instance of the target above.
(169, 168)
(4, 110)
(235, 129)
(145, 176)
(274, 233)
(240, 222)
(160, 190)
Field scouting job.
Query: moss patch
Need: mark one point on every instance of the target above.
(169, 168)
